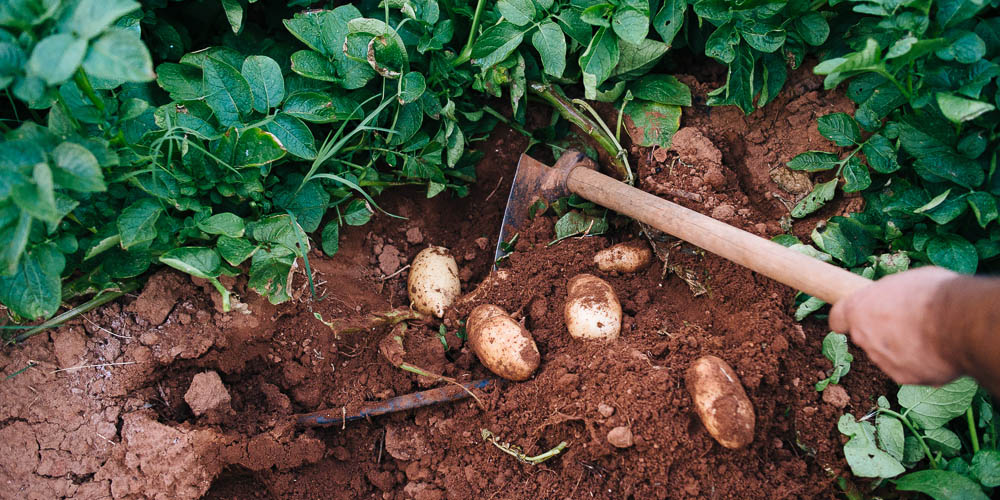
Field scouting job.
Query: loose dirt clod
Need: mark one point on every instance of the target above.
(836, 395)
(620, 437)
(605, 410)
(207, 395)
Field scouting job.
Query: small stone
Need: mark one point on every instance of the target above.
(836, 395)
(723, 212)
(389, 259)
(620, 437)
(482, 242)
(605, 410)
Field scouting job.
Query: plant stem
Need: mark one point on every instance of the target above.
(98, 300)
(516, 127)
(88, 90)
(972, 429)
(466, 53)
(906, 422)
(222, 291)
(568, 111)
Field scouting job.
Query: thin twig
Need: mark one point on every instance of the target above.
(397, 273)
(499, 182)
(102, 365)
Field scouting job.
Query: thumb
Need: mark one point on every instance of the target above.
(838, 317)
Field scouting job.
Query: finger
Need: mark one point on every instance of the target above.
(838, 317)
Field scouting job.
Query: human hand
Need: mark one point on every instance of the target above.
(898, 321)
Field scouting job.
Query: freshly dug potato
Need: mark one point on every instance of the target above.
(433, 283)
(721, 402)
(592, 309)
(503, 346)
(627, 257)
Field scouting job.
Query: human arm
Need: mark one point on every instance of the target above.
(927, 326)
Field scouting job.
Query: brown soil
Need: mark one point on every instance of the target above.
(126, 428)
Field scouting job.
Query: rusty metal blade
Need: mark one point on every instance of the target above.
(533, 181)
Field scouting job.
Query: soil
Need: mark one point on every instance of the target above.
(162, 395)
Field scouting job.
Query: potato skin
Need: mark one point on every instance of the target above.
(627, 257)
(482, 313)
(503, 346)
(721, 402)
(433, 284)
(592, 309)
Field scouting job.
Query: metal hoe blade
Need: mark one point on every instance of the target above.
(534, 181)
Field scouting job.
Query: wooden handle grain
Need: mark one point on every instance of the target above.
(799, 271)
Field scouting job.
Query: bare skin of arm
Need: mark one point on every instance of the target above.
(927, 326)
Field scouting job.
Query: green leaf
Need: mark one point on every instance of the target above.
(266, 83)
(90, 17)
(15, 231)
(664, 89)
(846, 239)
(575, 223)
(550, 43)
(226, 223)
(636, 60)
(319, 107)
(330, 238)
(256, 147)
(76, 168)
(293, 135)
(38, 197)
(762, 35)
(856, 176)
(598, 61)
(182, 81)
(200, 262)
(807, 307)
(984, 205)
(966, 47)
(959, 109)
(271, 273)
(137, 222)
(519, 12)
(839, 128)
(861, 452)
(839, 69)
(311, 64)
(721, 44)
(941, 485)
(815, 200)
(880, 153)
(496, 44)
(226, 92)
(56, 57)
(937, 160)
(933, 407)
(34, 291)
(814, 161)
(891, 436)
(670, 19)
(812, 27)
(411, 86)
(357, 213)
(630, 25)
(943, 441)
(835, 349)
(279, 230)
(986, 467)
(654, 124)
(308, 203)
(235, 250)
(119, 55)
(953, 252)
(234, 14)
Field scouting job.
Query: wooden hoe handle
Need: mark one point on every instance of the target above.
(799, 271)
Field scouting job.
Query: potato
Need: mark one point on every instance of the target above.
(503, 346)
(627, 257)
(721, 402)
(592, 309)
(433, 283)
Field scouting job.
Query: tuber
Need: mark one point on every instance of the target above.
(627, 257)
(721, 402)
(503, 345)
(592, 309)
(433, 284)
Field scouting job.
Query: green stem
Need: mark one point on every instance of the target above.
(568, 111)
(97, 301)
(222, 291)
(516, 452)
(516, 127)
(466, 53)
(972, 429)
(906, 422)
(88, 90)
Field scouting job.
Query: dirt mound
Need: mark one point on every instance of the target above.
(100, 408)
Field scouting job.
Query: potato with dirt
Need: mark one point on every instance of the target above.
(721, 402)
(592, 309)
(625, 257)
(502, 344)
(433, 284)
